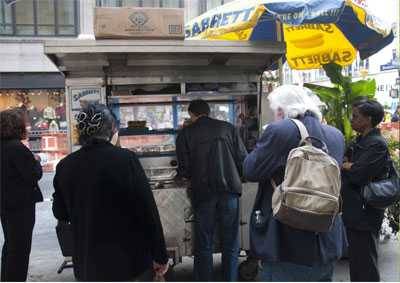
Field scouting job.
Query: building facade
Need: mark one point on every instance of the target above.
(27, 77)
(30, 80)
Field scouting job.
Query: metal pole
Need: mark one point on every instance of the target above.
(279, 37)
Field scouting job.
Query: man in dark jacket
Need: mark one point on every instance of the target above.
(103, 191)
(210, 154)
(290, 254)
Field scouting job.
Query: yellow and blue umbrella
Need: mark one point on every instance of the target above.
(316, 32)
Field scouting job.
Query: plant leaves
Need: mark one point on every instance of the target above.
(362, 88)
(348, 131)
(326, 94)
(339, 99)
(334, 73)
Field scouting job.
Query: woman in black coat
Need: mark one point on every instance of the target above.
(20, 173)
(103, 192)
(367, 160)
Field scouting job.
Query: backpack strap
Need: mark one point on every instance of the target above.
(306, 138)
(302, 129)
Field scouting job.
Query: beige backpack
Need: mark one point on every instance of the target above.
(309, 196)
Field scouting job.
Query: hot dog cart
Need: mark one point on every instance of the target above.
(148, 84)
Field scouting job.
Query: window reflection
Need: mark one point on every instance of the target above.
(39, 18)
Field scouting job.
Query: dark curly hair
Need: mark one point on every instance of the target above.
(94, 122)
(370, 108)
(12, 124)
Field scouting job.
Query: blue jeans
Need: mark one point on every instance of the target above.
(286, 271)
(225, 208)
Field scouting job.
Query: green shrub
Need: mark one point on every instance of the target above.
(393, 212)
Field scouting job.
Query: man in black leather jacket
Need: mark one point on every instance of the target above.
(210, 154)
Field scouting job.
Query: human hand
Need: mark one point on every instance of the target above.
(160, 269)
(347, 165)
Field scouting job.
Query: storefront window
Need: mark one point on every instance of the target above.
(206, 5)
(39, 18)
(24, 20)
(214, 3)
(46, 19)
(172, 4)
(46, 122)
(141, 3)
(150, 3)
(66, 18)
(5, 19)
(130, 3)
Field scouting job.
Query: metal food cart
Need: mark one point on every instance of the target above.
(150, 83)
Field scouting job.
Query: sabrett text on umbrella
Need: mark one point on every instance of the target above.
(323, 58)
(217, 20)
(328, 28)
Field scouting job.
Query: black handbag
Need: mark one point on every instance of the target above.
(382, 194)
(259, 218)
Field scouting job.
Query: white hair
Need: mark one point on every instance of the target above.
(295, 101)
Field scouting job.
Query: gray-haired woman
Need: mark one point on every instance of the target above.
(103, 191)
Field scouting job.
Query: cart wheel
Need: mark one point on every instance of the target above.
(248, 269)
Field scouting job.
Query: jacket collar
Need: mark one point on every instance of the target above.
(373, 132)
(202, 118)
(96, 143)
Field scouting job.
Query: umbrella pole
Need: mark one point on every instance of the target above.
(279, 37)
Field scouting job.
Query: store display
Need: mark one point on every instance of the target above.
(49, 113)
(61, 112)
(33, 115)
(41, 124)
(46, 122)
(53, 127)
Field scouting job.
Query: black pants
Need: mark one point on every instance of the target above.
(17, 229)
(363, 254)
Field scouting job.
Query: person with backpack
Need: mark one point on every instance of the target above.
(367, 160)
(210, 154)
(298, 181)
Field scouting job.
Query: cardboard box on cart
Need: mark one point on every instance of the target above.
(139, 23)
